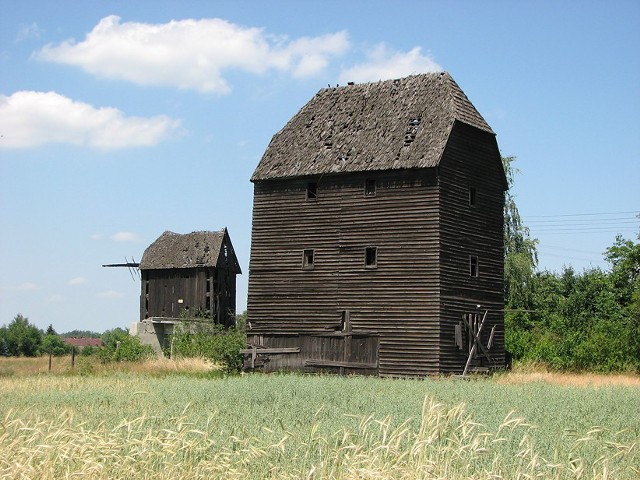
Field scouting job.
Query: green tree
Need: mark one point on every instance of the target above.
(53, 343)
(624, 258)
(520, 263)
(520, 252)
(21, 338)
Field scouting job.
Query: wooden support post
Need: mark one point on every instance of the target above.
(73, 356)
(476, 340)
(346, 350)
(50, 355)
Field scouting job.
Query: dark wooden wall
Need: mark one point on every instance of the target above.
(471, 160)
(424, 230)
(398, 300)
(209, 291)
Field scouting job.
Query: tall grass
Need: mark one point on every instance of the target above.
(446, 444)
(145, 424)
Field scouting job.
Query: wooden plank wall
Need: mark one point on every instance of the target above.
(161, 290)
(471, 159)
(399, 299)
(358, 351)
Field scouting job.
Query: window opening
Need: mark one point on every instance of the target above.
(371, 257)
(308, 258)
(370, 187)
(312, 191)
(472, 196)
(473, 266)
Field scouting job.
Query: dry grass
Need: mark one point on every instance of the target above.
(538, 373)
(21, 366)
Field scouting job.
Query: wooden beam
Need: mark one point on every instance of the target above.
(270, 350)
(331, 363)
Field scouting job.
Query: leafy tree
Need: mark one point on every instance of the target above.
(4, 348)
(81, 334)
(50, 330)
(52, 343)
(520, 262)
(520, 253)
(21, 338)
(624, 258)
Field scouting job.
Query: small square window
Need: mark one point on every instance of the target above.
(371, 257)
(473, 266)
(369, 187)
(312, 191)
(308, 258)
(473, 196)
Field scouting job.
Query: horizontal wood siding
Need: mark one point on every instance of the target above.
(398, 299)
(471, 159)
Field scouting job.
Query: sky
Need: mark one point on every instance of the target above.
(120, 120)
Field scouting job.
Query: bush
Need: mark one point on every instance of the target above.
(194, 338)
(119, 346)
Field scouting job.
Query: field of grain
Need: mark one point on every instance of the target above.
(183, 421)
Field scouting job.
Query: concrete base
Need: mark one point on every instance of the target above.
(154, 331)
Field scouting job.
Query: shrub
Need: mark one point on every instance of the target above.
(119, 346)
(195, 338)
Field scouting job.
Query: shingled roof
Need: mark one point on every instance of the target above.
(196, 249)
(387, 125)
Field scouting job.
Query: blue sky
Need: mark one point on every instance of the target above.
(120, 120)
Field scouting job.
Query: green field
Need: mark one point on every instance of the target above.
(139, 425)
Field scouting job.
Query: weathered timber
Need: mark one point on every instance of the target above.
(191, 275)
(269, 350)
(312, 362)
(401, 236)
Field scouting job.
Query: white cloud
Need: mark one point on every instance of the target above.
(29, 119)
(27, 287)
(110, 294)
(55, 298)
(126, 237)
(96, 236)
(385, 64)
(27, 32)
(77, 281)
(191, 54)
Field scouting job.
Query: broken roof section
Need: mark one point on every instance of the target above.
(387, 125)
(196, 249)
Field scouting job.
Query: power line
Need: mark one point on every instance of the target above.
(580, 221)
(635, 212)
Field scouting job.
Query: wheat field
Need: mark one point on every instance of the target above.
(176, 420)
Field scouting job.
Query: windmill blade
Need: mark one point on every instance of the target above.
(129, 268)
(136, 268)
